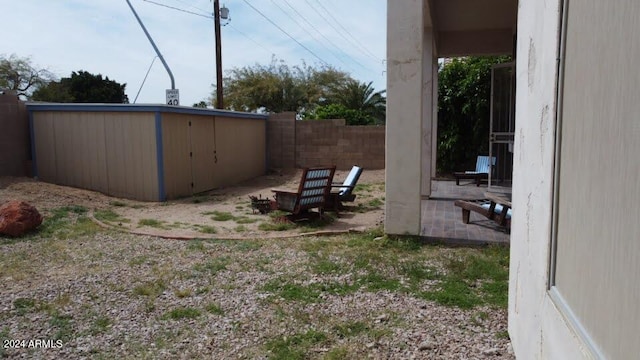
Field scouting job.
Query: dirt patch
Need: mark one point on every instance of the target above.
(221, 213)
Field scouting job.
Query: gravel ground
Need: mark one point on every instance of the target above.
(107, 294)
(191, 217)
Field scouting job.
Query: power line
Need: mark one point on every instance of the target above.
(192, 6)
(332, 26)
(208, 17)
(279, 28)
(178, 9)
(307, 31)
(347, 31)
(323, 35)
(250, 38)
(286, 33)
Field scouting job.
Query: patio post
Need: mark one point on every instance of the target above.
(410, 54)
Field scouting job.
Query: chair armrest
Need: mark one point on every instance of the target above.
(342, 185)
(284, 191)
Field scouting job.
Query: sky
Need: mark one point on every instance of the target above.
(103, 37)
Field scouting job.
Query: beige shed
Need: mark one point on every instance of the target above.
(145, 152)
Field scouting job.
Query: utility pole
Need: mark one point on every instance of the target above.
(216, 17)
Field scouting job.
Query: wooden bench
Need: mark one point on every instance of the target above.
(496, 207)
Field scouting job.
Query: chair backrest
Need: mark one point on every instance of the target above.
(351, 181)
(482, 164)
(314, 189)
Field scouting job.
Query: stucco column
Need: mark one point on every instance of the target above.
(427, 119)
(409, 114)
(434, 120)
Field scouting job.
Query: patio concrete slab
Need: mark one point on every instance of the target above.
(442, 221)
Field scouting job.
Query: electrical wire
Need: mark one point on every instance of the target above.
(178, 9)
(323, 35)
(308, 32)
(209, 17)
(274, 24)
(334, 28)
(191, 6)
(145, 78)
(250, 38)
(286, 33)
(348, 32)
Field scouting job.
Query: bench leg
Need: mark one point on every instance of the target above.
(458, 181)
(502, 219)
(465, 215)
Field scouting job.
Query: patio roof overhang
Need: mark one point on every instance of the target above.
(472, 27)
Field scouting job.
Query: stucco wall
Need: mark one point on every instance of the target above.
(537, 328)
(598, 191)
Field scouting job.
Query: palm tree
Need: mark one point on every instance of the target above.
(363, 97)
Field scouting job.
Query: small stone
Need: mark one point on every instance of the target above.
(426, 345)
(491, 352)
(370, 345)
(382, 318)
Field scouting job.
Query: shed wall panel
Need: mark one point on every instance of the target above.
(177, 164)
(131, 156)
(241, 145)
(79, 149)
(45, 147)
(116, 155)
(64, 150)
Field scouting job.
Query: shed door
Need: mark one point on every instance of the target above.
(203, 154)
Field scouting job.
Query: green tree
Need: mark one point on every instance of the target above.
(464, 91)
(18, 74)
(339, 111)
(83, 87)
(363, 98)
(278, 87)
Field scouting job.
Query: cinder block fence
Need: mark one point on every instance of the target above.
(293, 143)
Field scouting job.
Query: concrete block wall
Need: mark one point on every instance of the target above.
(300, 144)
(281, 130)
(14, 136)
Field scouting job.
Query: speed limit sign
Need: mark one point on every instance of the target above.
(173, 97)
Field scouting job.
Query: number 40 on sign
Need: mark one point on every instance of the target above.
(173, 97)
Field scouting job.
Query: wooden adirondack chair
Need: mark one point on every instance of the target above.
(483, 167)
(313, 192)
(343, 192)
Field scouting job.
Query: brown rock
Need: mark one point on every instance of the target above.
(18, 218)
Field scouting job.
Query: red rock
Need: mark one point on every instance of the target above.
(18, 218)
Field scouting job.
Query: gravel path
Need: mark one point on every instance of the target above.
(111, 295)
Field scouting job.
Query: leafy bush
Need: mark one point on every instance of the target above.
(464, 97)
